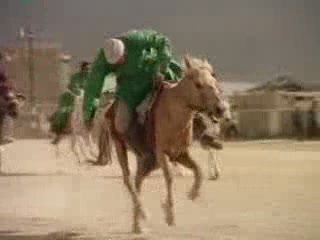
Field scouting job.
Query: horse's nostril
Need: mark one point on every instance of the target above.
(219, 111)
(12, 105)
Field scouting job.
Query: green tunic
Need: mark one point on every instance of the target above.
(147, 52)
(66, 101)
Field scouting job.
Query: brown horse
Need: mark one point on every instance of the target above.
(10, 103)
(172, 131)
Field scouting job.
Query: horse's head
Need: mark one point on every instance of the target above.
(202, 89)
(227, 116)
(10, 102)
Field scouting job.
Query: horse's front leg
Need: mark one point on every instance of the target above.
(138, 211)
(213, 167)
(186, 160)
(93, 146)
(90, 144)
(168, 205)
(74, 141)
(57, 151)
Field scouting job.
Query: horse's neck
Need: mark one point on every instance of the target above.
(177, 107)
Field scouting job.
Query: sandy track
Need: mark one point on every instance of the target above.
(268, 190)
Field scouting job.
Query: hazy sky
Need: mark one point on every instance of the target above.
(247, 40)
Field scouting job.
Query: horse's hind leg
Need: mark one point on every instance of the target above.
(56, 143)
(186, 160)
(90, 145)
(105, 148)
(128, 182)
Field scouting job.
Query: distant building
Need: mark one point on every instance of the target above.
(266, 110)
(47, 69)
(52, 69)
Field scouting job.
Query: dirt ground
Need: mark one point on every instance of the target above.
(267, 191)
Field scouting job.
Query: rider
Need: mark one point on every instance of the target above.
(137, 58)
(59, 118)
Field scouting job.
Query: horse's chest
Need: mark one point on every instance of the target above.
(179, 140)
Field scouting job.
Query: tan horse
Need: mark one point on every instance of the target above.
(173, 114)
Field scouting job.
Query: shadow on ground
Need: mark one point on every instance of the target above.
(15, 235)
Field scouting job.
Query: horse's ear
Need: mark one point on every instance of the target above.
(187, 62)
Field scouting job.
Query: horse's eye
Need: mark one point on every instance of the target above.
(198, 85)
(214, 75)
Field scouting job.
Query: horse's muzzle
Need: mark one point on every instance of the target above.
(219, 111)
(13, 109)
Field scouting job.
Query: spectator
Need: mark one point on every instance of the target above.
(312, 120)
(298, 122)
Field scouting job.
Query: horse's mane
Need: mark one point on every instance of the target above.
(200, 63)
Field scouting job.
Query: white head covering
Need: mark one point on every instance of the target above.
(114, 50)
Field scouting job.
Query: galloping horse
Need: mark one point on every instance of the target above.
(80, 135)
(206, 131)
(172, 119)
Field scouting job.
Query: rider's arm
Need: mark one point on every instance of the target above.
(73, 84)
(92, 89)
(174, 71)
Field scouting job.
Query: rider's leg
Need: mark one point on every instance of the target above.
(123, 118)
(143, 107)
(130, 130)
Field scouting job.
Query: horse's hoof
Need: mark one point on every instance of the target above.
(170, 220)
(169, 215)
(136, 229)
(143, 215)
(193, 195)
(213, 178)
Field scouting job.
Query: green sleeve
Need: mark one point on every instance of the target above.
(174, 71)
(75, 83)
(92, 89)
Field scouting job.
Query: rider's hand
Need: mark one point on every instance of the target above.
(159, 80)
